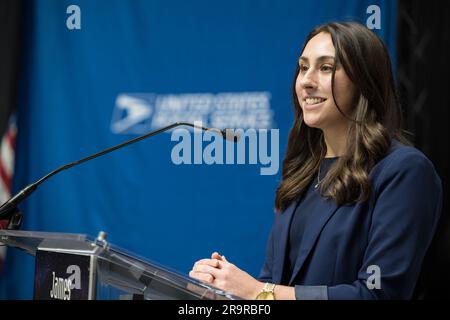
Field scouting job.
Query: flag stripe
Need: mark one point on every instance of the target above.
(5, 179)
(7, 150)
(4, 192)
(7, 155)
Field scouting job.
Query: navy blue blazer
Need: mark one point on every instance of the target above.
(343, 246)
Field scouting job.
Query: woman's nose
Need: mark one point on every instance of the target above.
(308, 80)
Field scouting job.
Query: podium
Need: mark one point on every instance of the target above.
(80, 267)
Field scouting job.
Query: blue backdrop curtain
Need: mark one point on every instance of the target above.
(71, 101)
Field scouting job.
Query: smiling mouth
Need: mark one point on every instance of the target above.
(313, 101)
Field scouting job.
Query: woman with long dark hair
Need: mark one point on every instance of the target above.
(357, 206)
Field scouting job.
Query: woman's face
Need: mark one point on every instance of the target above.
(313, 86)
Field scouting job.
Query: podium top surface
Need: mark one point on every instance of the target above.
(115, 266)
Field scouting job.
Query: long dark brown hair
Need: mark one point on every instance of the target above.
(376, 120)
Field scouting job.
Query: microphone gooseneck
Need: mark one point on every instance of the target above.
(9, 210)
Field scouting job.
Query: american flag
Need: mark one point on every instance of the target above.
(7, 155)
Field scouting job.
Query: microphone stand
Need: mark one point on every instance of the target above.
(9, 210)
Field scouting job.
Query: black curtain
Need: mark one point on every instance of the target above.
(10, 28)
(423, 47)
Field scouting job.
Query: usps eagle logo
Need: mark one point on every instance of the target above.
(132, 114)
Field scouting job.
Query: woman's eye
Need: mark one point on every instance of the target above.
(303, 68)
(326, 68)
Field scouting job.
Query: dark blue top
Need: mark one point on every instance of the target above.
(366, 250)
(307, 207)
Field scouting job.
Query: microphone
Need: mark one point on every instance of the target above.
(9, 210)
(227, 134)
